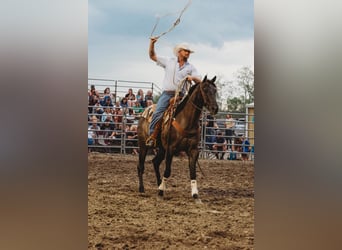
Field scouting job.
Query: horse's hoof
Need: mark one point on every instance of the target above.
(142, 190)
(160, 192)
(195, 196)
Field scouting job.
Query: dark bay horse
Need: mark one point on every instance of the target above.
(182, 135)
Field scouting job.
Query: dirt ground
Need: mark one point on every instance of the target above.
(119, 217)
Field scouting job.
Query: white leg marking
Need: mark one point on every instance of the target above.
(194, 189)
(162, 185)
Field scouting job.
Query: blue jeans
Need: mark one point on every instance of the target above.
(162, 105)
(90, 141)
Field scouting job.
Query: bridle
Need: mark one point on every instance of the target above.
(204, 96)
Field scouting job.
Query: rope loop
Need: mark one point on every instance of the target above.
(174, 24)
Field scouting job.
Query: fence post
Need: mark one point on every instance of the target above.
(203, 134)
(116, 90)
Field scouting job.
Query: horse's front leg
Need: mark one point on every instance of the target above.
(193, 157)
(167, 173)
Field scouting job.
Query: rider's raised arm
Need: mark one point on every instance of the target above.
(151, 51)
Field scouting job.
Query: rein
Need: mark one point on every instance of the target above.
(174, 123)
(183, 83)
(203, 96)
(193, 104)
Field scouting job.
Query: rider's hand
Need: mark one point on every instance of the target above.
(153, 39)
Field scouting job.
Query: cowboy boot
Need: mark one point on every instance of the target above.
(152, 139)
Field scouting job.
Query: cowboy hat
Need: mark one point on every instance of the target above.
(180, 46)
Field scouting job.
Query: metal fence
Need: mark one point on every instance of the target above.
(119, 88)
(120, 135)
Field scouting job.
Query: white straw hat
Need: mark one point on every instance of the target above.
(180, 46)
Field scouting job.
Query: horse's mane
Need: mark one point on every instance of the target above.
(181, 105)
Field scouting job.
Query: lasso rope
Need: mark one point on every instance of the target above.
(174, 24)
(184, 84)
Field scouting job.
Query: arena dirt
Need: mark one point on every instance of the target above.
(119, 217)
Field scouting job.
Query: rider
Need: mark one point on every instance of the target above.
(176, 69)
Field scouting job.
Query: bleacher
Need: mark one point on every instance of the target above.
(118, 137)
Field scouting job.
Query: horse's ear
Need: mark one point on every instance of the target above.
(205, 78)
(214, 79)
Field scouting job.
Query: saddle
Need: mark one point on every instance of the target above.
(148, 112)
(170, 110)
(167, 116)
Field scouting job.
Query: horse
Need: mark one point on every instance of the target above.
(179, 132)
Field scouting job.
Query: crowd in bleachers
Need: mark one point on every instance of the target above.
(109, 122)
(114, 123)
(223, 142)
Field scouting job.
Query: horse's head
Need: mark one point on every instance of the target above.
(208, 91)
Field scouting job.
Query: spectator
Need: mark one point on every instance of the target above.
(148, 98)
(137, 108)
(130, 97)
(117, 122)
(117, 130)
(97, 110)
(130, 116)
(117, 105)
(210, 127)
(92, 100)
(117, 112)
(93, 92)
(107, 114)
(132, 136)
(124, 105)
(252, 152)
(140, 98)
(237, 147)
(117, 126)
(229, 124)
(93, 131)
(220, 145)
(106, 92)
(106, 102)
(245, 148)
(106, 129)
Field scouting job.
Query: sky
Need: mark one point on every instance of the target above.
(221, 33)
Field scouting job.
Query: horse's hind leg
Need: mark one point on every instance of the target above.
(141, 167)
(156, 163)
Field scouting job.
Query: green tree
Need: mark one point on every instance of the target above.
(220, 85)
(245, 79)
(225, 89)
(236, 104)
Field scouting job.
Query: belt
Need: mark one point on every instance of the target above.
(170, 92)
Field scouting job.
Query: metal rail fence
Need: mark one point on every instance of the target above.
(119, 136)
(119, 88)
